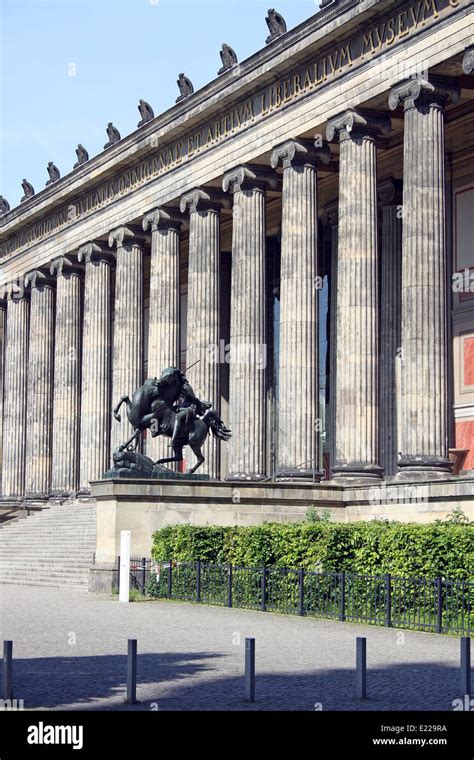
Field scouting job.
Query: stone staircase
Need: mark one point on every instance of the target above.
(51, 547)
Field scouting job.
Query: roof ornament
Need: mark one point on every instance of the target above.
(4, 205)
(82, 156)
(113, 134)
(185, 87)
(28, 190)
(228, 58)
(146, 112)
(276, 25)
(53, 172)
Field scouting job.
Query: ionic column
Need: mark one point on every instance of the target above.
(390, 198)
(330, 218)
(357, 451)
(468, 61)
(3, 335)
(298, 414)
(67, 377)
(40, 386)
(127, 357)
(15, 395)
(203, 312)
(96, 354)
(248, 346)
(164, 311)
(424, 371)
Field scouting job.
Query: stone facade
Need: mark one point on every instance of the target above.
(106, 272)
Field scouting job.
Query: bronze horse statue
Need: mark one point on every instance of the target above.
(168, 406)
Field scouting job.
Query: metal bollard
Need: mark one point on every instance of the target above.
(132, 672)
(250, 670)
(466, 666)
(361, 667)
(8, 670)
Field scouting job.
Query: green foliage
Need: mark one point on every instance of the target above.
(369, 548)
(315, 515)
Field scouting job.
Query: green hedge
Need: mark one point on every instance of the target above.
(371, 548)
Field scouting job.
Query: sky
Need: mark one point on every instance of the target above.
(68, 67)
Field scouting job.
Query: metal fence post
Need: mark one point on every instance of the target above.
(8, 670)
(198, 580)
(361, 667)
(118, 574)
(388, 600)
(250, 670)
(301, 591)
(143, 574)
(264, 589)
(439, 604)
(229, 586)
(132, 672)
(170, 579)
(466, 666)
(342, 614)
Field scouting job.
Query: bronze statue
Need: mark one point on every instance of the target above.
(168, 406)
(4, 205)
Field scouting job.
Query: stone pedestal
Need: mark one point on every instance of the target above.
(390, 199)
(127, 355)
(39, 411)
(96, 402)
(248, 359)
(67, 378)
(15, 395)
(203, 315)
(424, 370)
(357, 450)
(164, 310)
(298, 447)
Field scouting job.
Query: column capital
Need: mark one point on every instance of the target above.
(389, 193)
(199, 199)
(468, 61)
(418, 91)
(162, 218)
(124, 237)
(352, 123)
(94, 252)
(38, 279)
(295, 153)
(330, 216)
(64, 265)
(249, 177)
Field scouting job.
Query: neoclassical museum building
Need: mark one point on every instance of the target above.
(299, 234)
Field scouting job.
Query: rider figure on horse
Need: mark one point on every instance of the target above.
(186, 403)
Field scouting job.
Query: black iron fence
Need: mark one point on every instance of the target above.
(437, 604)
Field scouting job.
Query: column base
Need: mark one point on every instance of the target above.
(298, 475)
(424, 464)
(247, 477)
(360, 470)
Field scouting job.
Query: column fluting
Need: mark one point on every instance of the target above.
(357, 365)
(67, 377)
(424, 305)
(39, 412)
(248, 339)
(96, 355)
(298, 447)
(15, 396)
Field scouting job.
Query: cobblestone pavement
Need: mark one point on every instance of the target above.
(70, 648)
